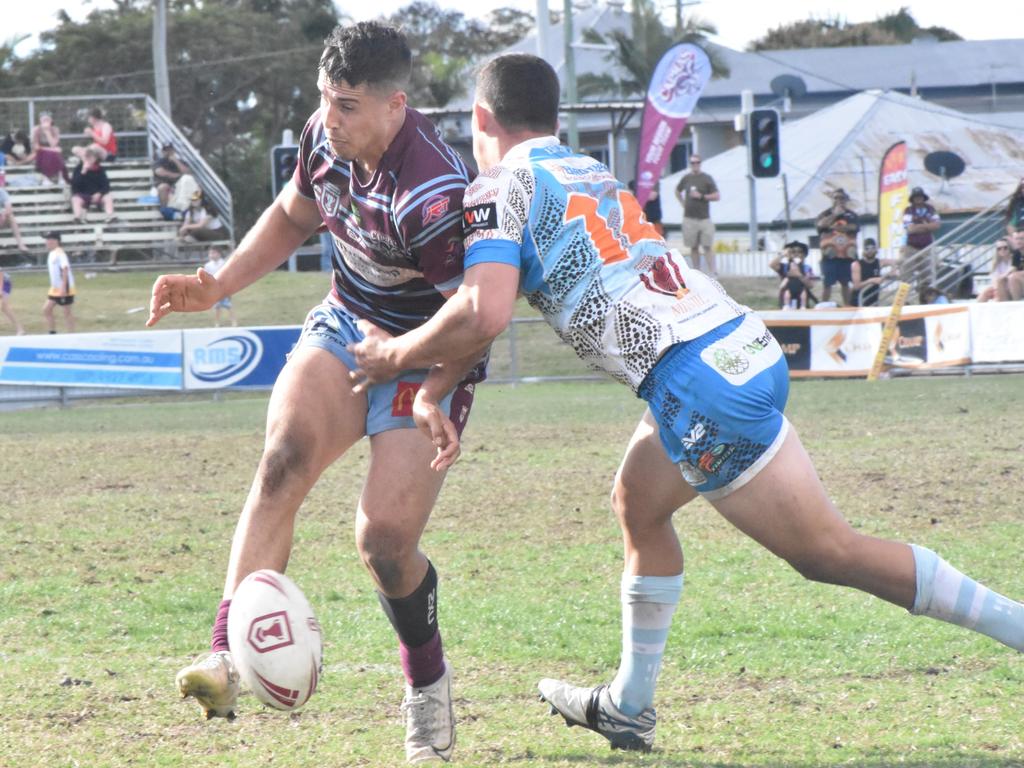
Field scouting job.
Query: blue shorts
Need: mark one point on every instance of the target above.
(836, 271)
(718, 402)
(224, 303)
(331, 327)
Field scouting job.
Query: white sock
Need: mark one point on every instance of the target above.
(648, 603)
(946, 594)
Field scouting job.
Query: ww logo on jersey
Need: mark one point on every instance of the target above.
(479, 217)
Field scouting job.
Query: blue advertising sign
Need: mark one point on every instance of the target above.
(240, 358)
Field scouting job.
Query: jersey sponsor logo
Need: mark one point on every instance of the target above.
(713, 458)
(381, 275)
(665, 277)
(401, 404)
(744, 353)
(477, 218)
(729, 362)
(435, 208)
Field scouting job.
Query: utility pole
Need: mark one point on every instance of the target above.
(543, 24)
(570, 74)
(163, 85)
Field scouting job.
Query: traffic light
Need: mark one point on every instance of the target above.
(283, 158)
(765, 161)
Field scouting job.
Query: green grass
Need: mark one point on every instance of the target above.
(116, 526)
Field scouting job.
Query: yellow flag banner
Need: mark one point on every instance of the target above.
(892, 196)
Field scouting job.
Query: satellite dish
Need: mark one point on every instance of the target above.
(789, 85)
(945, 165)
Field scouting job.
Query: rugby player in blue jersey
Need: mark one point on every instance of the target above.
(377, 175)
(554, 225)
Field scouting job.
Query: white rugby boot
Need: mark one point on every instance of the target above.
(593, 708)
(429, 721)
(213, 680)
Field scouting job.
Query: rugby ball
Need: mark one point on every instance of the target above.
(275, 640)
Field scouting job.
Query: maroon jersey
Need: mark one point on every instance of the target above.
(398, 238)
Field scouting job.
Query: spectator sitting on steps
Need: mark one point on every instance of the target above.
(104, 142)
(1010, 287)
(1002, 265)
(200, 223)
(46, 149)
(91, 187)
(166, 171)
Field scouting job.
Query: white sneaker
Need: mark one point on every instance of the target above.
(593, 708)
(213, 680)
(429, 721)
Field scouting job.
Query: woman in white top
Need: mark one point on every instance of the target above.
(1001, 266)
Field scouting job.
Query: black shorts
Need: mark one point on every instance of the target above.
(62, 301)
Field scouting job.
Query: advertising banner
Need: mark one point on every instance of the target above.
(892, 196)
(239, 358)
(675, 86)
(997, 332)
(135, 360)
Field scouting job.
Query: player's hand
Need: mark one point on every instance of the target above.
(183, 293)
(435, 424)
(373, 359)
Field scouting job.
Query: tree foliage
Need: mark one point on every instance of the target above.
(637, 53)
(241, 71)
(895, 28)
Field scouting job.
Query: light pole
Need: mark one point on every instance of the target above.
(163, 85)
(570, 74)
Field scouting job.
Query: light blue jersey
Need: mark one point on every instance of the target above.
(713, 376)
(589, 261)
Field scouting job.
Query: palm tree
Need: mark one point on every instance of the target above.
(638, 53)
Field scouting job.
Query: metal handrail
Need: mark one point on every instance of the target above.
(163, 131)
(967, 245)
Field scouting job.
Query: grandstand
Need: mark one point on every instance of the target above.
(140, 236)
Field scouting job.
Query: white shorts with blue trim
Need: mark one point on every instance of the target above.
(718, 402)
(331, 327)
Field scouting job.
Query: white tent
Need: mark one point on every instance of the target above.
(842, 146)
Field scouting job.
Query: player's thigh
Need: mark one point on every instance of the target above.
(313, 411)
(400, 491)
(786, 509)
(648, 486)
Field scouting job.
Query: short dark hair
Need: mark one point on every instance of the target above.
(521, 90)
(369, 52)
(96, 112)
(870, 241)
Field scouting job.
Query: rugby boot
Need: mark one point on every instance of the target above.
(429, 721)
(592, 708)
(213, 680)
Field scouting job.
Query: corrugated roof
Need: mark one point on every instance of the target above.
(842, 146)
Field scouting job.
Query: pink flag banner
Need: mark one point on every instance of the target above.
(677, 83)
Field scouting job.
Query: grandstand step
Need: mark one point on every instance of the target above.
(57, 219)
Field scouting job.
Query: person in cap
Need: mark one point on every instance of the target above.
(62, 284)
(166, 171)
(837, 227)
(791, 265)
(921, 220)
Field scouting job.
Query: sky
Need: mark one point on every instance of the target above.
(738, 21)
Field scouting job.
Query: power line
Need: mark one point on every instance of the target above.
(176, 67)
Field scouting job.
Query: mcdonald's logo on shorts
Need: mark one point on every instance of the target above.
(401, 405)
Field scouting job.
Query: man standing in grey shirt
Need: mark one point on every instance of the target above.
(695, 191)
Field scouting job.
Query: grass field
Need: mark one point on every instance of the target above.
(116, 527)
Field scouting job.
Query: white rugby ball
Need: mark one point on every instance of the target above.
(275, 640)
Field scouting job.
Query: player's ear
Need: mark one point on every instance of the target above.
(397, 101)
(484, 118)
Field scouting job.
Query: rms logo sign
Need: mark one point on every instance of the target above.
(222, 360)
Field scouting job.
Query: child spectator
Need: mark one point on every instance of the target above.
(104, 142)
(17, 146)
(216, 261)
(46, 149)
(62, 284)
(91, 187)
(796, 275)
(5, 305)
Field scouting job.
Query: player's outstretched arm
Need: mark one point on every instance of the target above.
(183, 293)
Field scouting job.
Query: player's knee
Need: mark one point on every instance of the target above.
(284, 461)
(632, 506)
(385, 552)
